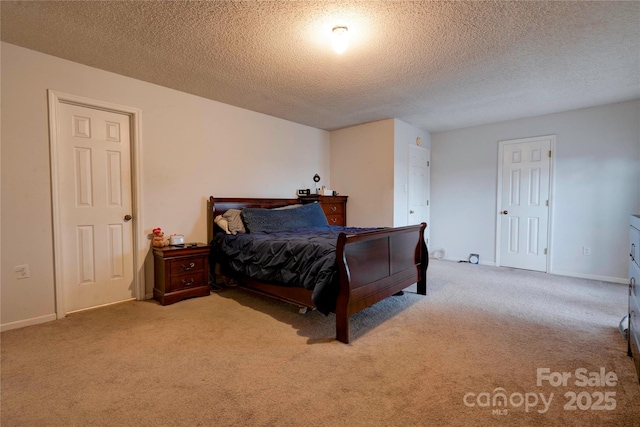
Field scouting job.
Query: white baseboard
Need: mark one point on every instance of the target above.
(591, 276)
(622, 280)
(100, 306)
(447, 259)
(27, 322)
(49, 317)
(491, 263)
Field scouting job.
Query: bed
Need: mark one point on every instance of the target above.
(368, 265)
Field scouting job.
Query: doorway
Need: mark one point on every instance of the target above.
(95, 186)
(524, 203)
(418, 186)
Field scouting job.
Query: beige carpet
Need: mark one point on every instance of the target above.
(235, 359)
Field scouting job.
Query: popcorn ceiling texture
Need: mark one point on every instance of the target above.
(435, 65)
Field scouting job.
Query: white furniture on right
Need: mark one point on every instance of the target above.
(634, 292)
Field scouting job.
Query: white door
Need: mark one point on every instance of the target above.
(95, 206)
(523, 203)
(418, 185)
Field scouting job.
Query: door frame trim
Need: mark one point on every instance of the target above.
(552, 147)
(138, 237)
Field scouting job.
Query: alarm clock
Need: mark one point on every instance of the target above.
(176, 240)
(474, 258)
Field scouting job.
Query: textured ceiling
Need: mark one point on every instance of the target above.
(437, 65)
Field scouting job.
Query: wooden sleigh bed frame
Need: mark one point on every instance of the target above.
(372, 265)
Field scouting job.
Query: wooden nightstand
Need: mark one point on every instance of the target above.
(334, 207)
(180, 272)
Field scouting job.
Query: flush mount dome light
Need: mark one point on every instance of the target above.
(340, 39)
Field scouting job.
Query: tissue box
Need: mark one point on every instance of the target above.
(326, 192)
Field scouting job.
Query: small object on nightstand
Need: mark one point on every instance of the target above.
(176, 240)
(157, 239)
(181, 272)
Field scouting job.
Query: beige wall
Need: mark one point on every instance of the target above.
(191, 148)
(362, 168)
(596, 170)
(370, 164)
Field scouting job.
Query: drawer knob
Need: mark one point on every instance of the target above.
(189, 267)
(185, 283)
(334, 220)
(334, 208)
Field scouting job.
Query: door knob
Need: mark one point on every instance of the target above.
(127, 217)
(505, 212)
(411, 212)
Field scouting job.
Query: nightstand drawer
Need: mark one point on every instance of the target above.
(333, 208)
(186, 281)
(335, 219)
(187, 265)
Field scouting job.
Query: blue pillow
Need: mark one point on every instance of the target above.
(273, 220)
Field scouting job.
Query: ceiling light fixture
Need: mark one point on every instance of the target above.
(340, 39)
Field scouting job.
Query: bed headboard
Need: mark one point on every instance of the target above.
(218, 206)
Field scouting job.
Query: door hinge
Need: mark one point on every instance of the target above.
(545, 251)
(428, 162)
(549, 153)
(547, 203)
(427, 203)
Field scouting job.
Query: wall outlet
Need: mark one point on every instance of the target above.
(586, 250)
(22, 271)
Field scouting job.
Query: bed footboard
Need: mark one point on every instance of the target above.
(375, 265)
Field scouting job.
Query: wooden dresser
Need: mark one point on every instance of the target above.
(634, 291)
(334, 207)
(180, 272)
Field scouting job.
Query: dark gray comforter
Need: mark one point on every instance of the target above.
(301, 257)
